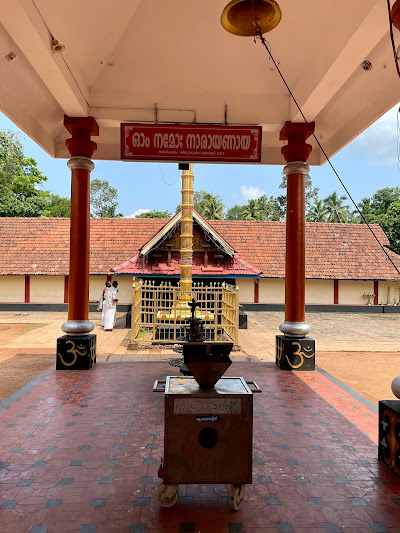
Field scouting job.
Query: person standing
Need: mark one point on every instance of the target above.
(110, 304)
(101, 306)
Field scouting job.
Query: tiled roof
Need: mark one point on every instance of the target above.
(333, 251)
(40, 246)
(234, 266)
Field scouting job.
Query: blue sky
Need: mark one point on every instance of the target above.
(367, 164)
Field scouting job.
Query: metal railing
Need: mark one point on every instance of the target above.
(159, 312)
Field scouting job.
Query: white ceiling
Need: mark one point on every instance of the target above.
(123, 57)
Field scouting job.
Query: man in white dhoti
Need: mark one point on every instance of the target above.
(101, 306)
(110, 307)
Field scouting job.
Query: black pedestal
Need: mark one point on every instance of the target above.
(389, 434)
(293, 353)
(76, 352)
(242, 320)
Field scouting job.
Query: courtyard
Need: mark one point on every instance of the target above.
(81, 449)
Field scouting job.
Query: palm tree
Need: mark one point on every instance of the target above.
(252, 211)
(365, 206)
(211, 207)
(317, 212)
(335, 209)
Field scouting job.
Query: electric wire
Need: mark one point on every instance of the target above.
(265, 44)
(162, 177)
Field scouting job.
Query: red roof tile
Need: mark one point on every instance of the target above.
(41, 245)
(231, 266)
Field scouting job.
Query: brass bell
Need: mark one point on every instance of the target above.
(251, 17)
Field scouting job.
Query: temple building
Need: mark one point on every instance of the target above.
(344, 262)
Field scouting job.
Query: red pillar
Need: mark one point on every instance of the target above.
(335, 291)
(81, 148)
(376, 291)
(27, 289)
(66, 289)
(256, 291)
(296, 153)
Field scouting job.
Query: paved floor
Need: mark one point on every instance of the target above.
(368, 366)
(80, 452)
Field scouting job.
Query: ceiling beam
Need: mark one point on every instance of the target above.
(22, 21)
(314, 94)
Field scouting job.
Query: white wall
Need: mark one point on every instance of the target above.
(96, 285)
(47, 289)
(271, 291)
(394, 287)
(12, 289)
(246, 290)
(351, 292)
(319, 291)
(125, 289)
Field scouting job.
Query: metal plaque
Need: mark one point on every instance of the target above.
(193, 142)
(206, 406)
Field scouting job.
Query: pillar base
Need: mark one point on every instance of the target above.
(294, 353)
(76, 352)
(389, 434)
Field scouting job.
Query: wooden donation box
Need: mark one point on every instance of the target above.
(208, 432)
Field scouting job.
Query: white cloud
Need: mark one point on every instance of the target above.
(250, 193)
(137, 213)
(379, 141)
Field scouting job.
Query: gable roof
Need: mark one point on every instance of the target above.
(173, 223)
(30, 246)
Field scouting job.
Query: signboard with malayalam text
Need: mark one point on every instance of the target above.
(192, 143)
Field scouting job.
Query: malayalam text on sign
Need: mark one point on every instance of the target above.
(197, 142)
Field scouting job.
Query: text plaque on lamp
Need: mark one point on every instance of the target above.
(194, 143)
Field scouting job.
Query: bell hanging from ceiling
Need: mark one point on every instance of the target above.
(251, 17)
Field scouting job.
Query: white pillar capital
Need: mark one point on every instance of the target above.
(80, 162)
(296, 167)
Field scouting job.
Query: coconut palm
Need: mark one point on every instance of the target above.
(252, 210)
(336, 211)
(317, 212)
(211, 207)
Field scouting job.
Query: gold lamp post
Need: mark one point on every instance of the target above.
(187, 234)
(181, 310)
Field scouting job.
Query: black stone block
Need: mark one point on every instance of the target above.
(293, 353)
(389, 435)
(128, 319)
(242, 320)
(76, 352)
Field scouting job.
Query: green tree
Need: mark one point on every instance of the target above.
(252, 211)
(57, 206)
(336, 210)
(276, 208)
(317, 212)
(383, 198)
(211, 207)
(20, 180)
(207, 204)
(155, 214)
(365, 206)
(103, 199)
(234, 213)
(390, 223)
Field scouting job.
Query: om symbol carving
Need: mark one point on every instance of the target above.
(302, 355)
(75, 351)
